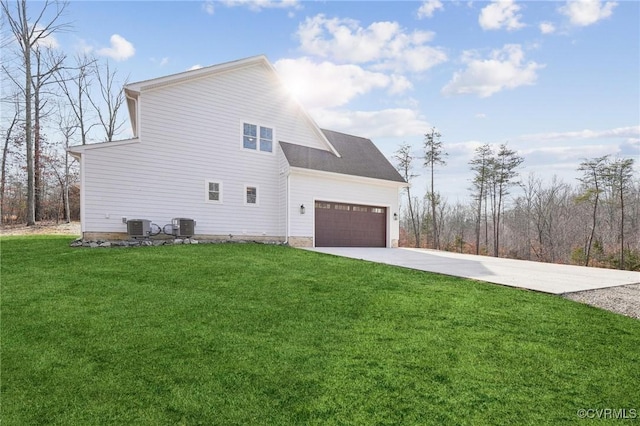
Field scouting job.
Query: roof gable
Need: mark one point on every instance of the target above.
(133, 90)
(358, 157)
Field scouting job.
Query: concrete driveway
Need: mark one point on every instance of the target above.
(544, 277)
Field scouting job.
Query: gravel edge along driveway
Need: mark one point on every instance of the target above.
(623, 299)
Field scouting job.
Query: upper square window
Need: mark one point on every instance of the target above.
(257, 138)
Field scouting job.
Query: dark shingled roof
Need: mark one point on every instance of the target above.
(358, 157)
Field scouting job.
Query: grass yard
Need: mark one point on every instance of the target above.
(253, 334)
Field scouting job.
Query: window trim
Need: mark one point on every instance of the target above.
(258, 144)
(244, 196)
(206, 191)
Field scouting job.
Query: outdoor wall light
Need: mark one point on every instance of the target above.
(395, 216)
(302, 209)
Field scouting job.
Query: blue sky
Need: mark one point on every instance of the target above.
(559, 81)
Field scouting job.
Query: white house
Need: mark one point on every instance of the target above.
(228, 147)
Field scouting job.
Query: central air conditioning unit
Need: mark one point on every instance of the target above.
(139, 228)
(183, 227)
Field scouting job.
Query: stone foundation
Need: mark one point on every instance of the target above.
(301, 241)
(109, 239)
(121, 239)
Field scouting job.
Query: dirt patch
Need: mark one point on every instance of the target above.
(43, 228)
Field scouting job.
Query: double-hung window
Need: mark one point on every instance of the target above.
(213, 191)
(257, 138)
(251, 195)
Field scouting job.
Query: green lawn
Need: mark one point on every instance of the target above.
(255, 334)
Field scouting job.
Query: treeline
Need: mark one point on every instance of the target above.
(594, 221)
(49, 102)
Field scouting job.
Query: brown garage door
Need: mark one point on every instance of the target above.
(350, 225)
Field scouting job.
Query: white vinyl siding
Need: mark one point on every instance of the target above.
(188, 131)
(307, 188)
(190, 134)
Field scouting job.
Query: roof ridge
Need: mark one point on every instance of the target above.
(346, 134)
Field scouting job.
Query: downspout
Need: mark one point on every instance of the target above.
(287, 204)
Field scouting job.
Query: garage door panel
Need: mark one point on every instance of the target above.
(349, 225)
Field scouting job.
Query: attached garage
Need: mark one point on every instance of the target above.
(349, 225)
(346, 198)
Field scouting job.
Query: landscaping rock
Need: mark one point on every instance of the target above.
(159, 242)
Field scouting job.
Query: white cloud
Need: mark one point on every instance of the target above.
(209, 7)
(626, 133)
(384, 44)
(83, 47)
(428, 7)
(258, 5)
(120, 49)
(501, 14)
(327, 85)
(547, 28)
(481, 115)
(505, 69)
(386, 123)
(48, 41)
(587, 12)
(195, 67)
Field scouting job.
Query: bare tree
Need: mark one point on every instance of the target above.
(28, 32)
(110, 99)
(619, 174)
(592, 175)
(547, 214)
(434, 155)
(74, 83)
(480, 164)
(46, 63)
(60, 164)
(502, 174)
(405, 167)
(9, 133)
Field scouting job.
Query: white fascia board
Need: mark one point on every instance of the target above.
(344, 177)
(79, 149)
(195, 74)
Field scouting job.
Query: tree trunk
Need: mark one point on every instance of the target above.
(622, 266)
(31, 213)
(5, 151)
(479, 221)
(593, 229)
(37, 166)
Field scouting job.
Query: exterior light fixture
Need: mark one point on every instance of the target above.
(302, 209)
(395, 216)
